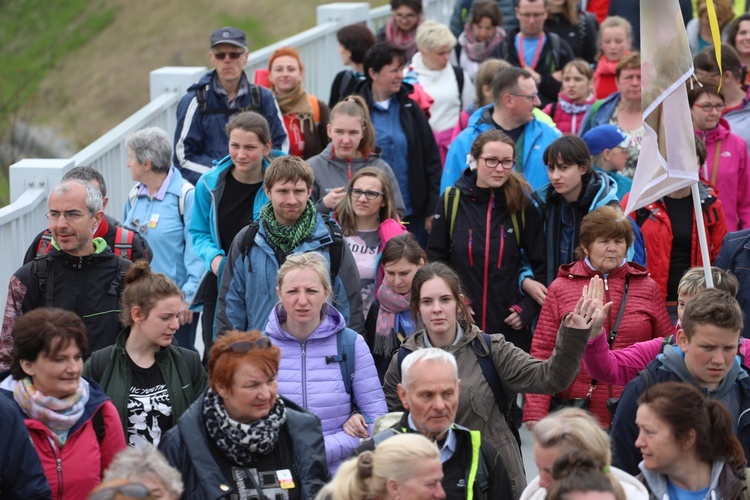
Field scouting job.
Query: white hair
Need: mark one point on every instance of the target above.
(427, 355)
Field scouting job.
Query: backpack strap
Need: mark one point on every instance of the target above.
(184, 190)
(647, 377)
(255, 102)
(45, 243)
(98, 421)
(516, 228)
(345, 340)
(248, 241)
(124, 241)
(555, 41)
(315, 105)
(102, 363)
(45, 279)
(450, 206)
(336, 249)
(594, 108)
(460, 80)
(484, 358)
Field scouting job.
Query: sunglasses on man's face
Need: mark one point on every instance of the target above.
(232, 55)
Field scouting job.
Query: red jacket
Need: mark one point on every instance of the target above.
(657, 234)
(644, 318)
(82, 459)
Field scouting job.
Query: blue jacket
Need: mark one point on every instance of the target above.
(170, 239)
(536, 137)
(199, 139)
(21, 474)
(187, 448)
(248, 284)
(306, 378)
(734, 256)
(600, 113)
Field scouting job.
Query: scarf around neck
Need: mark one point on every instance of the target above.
(286, 238)
(242, 443)
(476, 50)
(58, 415)
(407, 40)
(296, 102)
(392, 304)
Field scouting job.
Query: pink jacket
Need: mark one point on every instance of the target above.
(568, 116)
(732, 179)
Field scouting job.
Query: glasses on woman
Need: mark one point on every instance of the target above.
(135, 490)
(370, 195)
(245, 346)
(493, 162)
(707, 106)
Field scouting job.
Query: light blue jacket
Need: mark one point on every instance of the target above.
(169, 239)
(536, 137)
(248, 283)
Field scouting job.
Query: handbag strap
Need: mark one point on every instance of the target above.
(715, 170)
(620, 312)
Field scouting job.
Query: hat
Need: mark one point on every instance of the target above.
(232, 36)
(603, 137)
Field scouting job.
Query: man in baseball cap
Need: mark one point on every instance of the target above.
(608, 147)
(229, 35)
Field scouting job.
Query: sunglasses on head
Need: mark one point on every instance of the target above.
(232, 55)
(135, 490)
(244, 346)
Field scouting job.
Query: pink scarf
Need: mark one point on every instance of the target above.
(392, 303)
(407, 40)
(479, 51)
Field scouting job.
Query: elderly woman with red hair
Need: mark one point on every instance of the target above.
(305, 116)
(242, 438)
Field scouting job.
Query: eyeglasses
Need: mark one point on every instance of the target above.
(70, 215)
(532, 15)
(707, 106)
(405, 17)
(370, 195)
(245, 346)
(232, 55)
(135, 490)
(531, 97)
(493, 162)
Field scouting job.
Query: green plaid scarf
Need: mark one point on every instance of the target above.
(286, 238)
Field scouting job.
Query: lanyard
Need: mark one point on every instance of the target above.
(536, 53)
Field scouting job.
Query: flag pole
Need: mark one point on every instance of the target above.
(702, 235)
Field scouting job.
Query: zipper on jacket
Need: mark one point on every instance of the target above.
(58, 467)
(487, 226)
(471, 247)
(349, 169)
(607, 299)
(304, 378)
(502, 248)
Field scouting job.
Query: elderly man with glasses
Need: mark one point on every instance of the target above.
(204, 111)
(80, 273)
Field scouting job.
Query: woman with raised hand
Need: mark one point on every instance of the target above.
(351, 149)
(74, 427)
(227, 198)
(241, 438)
(368, 219)
(325, 367)
(689, 446)
(305, 116)
(437, 300)
(150, 381)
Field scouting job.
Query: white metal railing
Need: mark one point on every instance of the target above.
(31, 179)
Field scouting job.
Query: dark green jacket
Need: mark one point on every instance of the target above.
(180, 367)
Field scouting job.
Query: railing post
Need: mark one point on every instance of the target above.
(343, 13)
(173, 79)
(35, 173)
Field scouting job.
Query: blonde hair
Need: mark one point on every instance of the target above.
(432, 35)
(367, 475)
(308, 260)
(615, 22)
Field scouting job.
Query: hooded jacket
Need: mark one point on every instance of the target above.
(200, 139)
(422, 156)
(657, 233)
(332, 172)
(308, 379)
(644, 318)
(173, 362)
(734, 256)
(186, 447)
(247, 293)
(89, 286)
(724, 483)
(732, 174)
(733, 392)
(536, 137)
(77, 467)
(739, 119)
(633, 488)
(599, 190)
(600, 113)
(518, 372)
(484, 251)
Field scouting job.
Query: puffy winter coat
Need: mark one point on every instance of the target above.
(76, 468)
(657, 233)
(732, 175)
(202, 139)
(536, 137)
(188, 449)
(332, 172)
(308, 379)
(518, 373)
(644, 318)
(485, 252)
(567, 115)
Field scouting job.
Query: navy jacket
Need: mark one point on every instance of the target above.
(734, 256)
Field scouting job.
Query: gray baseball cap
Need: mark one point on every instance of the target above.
(232, 36)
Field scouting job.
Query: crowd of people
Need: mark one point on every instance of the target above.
(390, 284)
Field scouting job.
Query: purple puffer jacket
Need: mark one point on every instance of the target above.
(306, 378)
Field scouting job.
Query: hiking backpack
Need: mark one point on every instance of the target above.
(123, 243)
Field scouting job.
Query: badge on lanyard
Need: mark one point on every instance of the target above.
(153, 221)
(285, 479)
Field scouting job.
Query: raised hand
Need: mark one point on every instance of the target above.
(589, 311)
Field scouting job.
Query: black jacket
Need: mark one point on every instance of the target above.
(497, 484)
(549, 62)
(187, 449)
(582, 37)
(425, 168)
(489, 270)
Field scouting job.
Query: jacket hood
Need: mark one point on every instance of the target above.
(657, 482)
(721, 131)
(600, 190)
(673, 359)
(416, 340)
(332, 321)
(579, 269)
